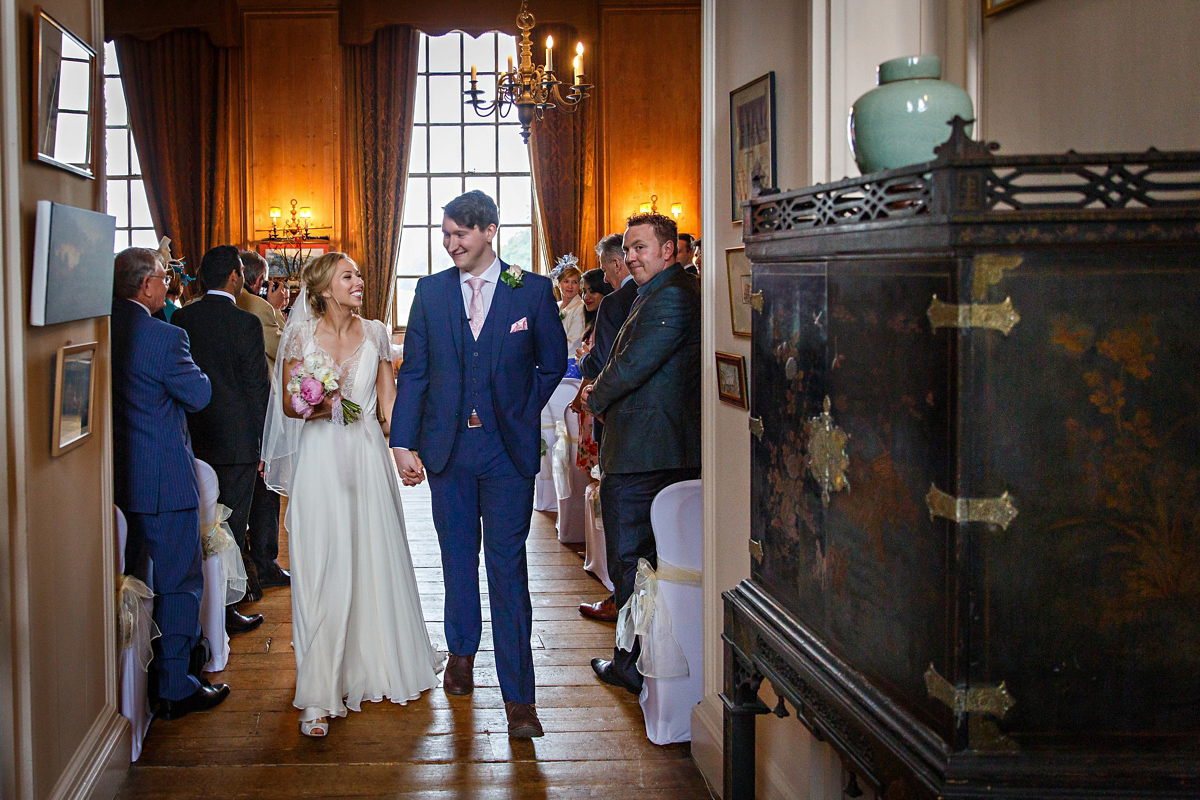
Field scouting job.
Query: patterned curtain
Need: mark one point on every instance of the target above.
(562, 154)
(178, 91)
(381, 80)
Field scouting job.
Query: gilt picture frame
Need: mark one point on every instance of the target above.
(751, 139)
(731, 379)
(740, 313)
(996, 6)
(74, 396)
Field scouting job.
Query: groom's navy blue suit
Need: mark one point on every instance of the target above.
(482, 473)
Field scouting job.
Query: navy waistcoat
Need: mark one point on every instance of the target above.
(477, 374)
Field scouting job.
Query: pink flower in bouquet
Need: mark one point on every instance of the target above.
(299, 365)
(312, 391)
(300, 407)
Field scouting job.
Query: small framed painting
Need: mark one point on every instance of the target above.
(731, 379)
(996, 6)
(740, 313)
(74, 395)
(751, 139)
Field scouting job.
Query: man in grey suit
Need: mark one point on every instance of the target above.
(646, 396)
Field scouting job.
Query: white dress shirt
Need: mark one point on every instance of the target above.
(232, 299)
(144, 307)
(490, 276)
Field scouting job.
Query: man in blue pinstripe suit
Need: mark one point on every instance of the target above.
(154, 382)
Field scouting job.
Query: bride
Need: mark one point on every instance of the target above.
(358, 630)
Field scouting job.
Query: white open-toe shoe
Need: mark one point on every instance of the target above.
(316, 728)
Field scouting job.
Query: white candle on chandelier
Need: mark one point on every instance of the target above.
(576, 70)
(510, 69)
(578, 63)
(474, 76)
(549, 53)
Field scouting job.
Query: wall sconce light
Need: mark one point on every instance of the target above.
(275, 213)
(305, 213)
(652, 207)
(296, 229)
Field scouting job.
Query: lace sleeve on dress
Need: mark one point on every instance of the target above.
(381, 339)
(291, 346)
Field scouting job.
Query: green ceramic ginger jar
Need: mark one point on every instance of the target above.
(901, 120)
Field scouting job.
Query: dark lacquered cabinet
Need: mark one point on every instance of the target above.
(975, 422)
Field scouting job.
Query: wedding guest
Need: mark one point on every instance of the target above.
(154, 384)
(595, 289)
(174, 290)
(686, 244)
(227, 344)
(609, 319)
(646, 395)
(262, 536)
(570, 307)
(695, 270)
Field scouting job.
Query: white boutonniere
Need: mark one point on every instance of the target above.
(513, 276)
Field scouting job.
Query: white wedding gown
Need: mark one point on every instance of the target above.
(357, 625)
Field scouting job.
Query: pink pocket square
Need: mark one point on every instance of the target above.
(520, 325)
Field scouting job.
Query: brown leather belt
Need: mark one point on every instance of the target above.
(474, 421)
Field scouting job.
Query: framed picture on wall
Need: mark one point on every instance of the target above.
(996, 6)
(740, 313)
(751, 139)
(74, 395)
(286, 259)
(731, 379)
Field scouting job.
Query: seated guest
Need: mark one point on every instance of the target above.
(154, 384)
(646, 395)
(262, 536)
(174, 290)
(570, 307)
(609, 319)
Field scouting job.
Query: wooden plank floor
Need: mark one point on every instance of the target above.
(437, 746)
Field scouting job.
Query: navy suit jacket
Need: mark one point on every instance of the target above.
(154, 382)
(527, 366)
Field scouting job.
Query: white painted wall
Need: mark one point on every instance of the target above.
(1093, 75)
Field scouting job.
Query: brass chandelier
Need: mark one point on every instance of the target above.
(532, 89)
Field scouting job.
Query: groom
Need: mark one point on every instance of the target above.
(483, 352)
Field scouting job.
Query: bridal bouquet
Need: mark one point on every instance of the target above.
(314, 378)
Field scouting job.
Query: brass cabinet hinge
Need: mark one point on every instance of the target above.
(756, 427)
(994, 700)
(994, 510)
(994, 316)
(756, 300)
(756, 550)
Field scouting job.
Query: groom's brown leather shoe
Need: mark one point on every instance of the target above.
(459, 677)
(523, 722)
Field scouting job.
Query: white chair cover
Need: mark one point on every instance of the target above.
(545, 497)
(135, 702)
(677, 517)
(212, 604)
(595, 556)
(573, 506)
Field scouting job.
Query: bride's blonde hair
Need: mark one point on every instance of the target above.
(317, 276)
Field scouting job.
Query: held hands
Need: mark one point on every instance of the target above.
(277, 294)
(412, 471)
(583, 349)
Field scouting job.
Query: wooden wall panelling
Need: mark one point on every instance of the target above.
(649, 93)
(293, 90)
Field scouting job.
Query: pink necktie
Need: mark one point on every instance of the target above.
(476, 309)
